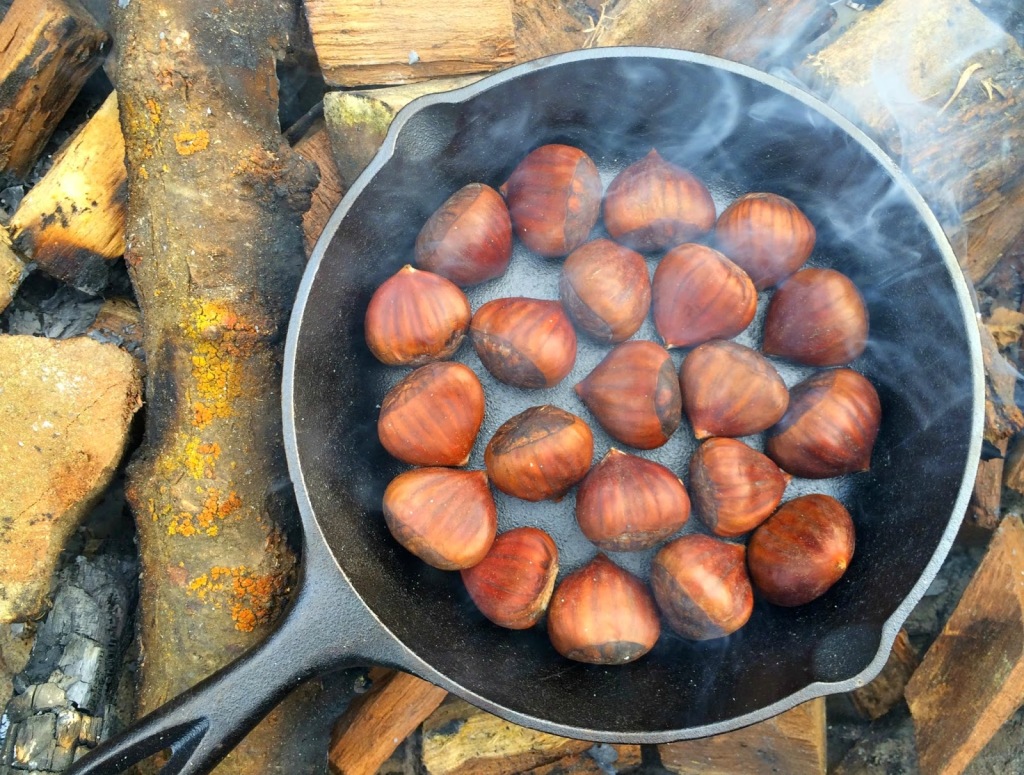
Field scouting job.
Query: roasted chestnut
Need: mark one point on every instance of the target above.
(829, 427)
(528, 343)
(444, 516)
(432, 416)
(767, 235)
(802, 550)
(634, 394)
(698, 295)
(730, 390)
(469, 238)
(628, 503)
(702, 587)
(735, 488)
(554, 197)
(603, 615)
(512, 585)
(539, 454)
(606, 290)
(817, 317)
(415, 317)
(655, 205)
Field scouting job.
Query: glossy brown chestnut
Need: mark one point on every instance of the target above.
(554, 198)
(655, 205)
(802, 550)
(829, 427)
(528, 343)
(513, 584)
(539, 454)
(469, 238)
(432, 416)
(415, 317)
(730, 390)
(817, 317)
(735, 488)
(767, 235)
(444, 516)
(702, 587)
(698, 295)
(603, 615)
(605, 288)
(634, 394)
(627, 503)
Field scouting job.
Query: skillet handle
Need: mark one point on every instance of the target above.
(202, 725)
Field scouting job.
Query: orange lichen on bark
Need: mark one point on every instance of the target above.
(187, 142)
(250, 597)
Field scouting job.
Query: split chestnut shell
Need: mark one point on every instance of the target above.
(698, 295)
(730, 390)
(802, 550)
(432, 416)
(702, 587)
(627, 503)
(829, 427)
(554, 198)
(603, 615)
(513, 584)
(605, 288)
(527, 343)
(634, 394)
(444, 516)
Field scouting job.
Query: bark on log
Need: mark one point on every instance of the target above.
(48, 48)
(71, 223)
(215, 254)
(793, 742)
(972, 678)
(368, 43)
(883, 693)
(315, 147)
(938, 83)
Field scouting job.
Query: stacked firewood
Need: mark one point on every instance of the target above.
(183, 170)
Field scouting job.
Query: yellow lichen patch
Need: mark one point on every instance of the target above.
(220, 341)
(154, 111)
(187, 142)
(215, 507)
(251, 597)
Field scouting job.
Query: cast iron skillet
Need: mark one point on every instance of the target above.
(364, 600)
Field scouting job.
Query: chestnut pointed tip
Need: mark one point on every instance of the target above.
(701, 433)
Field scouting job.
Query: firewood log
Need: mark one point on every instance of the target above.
(12, 271)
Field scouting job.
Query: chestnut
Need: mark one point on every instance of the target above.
(415, 317)
(554, 198)
(634, 394)
(767, 235)
(735, 488)
(432, 416)
(539, 454)
(444, 516)
(469, 238)
(602, 615)
(513, 584)
(802, 550)
(628, 503)
(698, 295)
(829, 427)
(528, 343)
(655, 205)
(702, 587)
(816, 317)
(730, 390)
(606, 290)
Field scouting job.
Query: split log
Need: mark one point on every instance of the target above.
(937, 83)
(1013, 472)
(972, 678)
(597, 760)
(71, 223)
(12, 271)
(368, 43)
(375, 724)
(48, 48)
(545, 27)
(215, 253)
(793, 742)
(119, 321)
(754, 32)
(315, 147)
(63, 705)
(883, 693)
(65, 412)
(459, 739)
